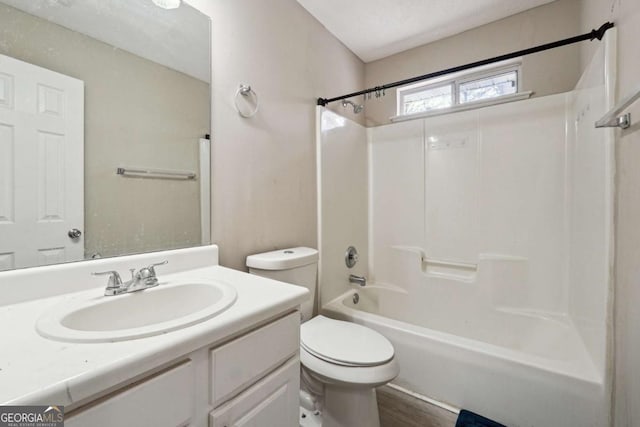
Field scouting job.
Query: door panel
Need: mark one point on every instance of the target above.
(7, 185)
(41, 165)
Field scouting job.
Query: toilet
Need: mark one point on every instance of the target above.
(342, 362)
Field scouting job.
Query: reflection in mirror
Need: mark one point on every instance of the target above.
(88, 87)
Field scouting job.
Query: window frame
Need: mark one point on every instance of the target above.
(457, 79)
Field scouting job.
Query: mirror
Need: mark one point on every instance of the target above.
(104, 108)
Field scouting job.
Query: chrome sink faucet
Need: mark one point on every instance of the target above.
(143, 279)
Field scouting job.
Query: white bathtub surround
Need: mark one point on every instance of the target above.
(342, 201)
(490, 251)
(488, 198)
(36, 370)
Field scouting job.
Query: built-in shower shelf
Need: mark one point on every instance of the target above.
(449, 269)
(440, 267)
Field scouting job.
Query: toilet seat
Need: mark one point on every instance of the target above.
(348, 376)
(344, 353)
(344, 343)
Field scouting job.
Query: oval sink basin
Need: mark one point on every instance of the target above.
(140, 314)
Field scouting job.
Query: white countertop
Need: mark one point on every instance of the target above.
(36, 370)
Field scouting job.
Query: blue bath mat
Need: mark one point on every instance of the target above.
(469, 419)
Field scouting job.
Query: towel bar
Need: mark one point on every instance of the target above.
(155, 173)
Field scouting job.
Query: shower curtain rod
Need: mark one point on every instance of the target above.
(592, 35)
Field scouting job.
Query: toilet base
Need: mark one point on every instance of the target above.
(344, 408)
(310, 418)
(350, 407)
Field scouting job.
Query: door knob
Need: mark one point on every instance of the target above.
(74, 233)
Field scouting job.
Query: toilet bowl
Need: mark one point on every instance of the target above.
(346, 359)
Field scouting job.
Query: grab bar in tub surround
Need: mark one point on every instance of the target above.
(448, 263)
(437, 261)
(615, 118)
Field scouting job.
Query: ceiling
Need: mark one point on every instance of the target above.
(178, 38)
(374, 29)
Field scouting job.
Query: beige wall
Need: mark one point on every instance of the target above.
(264, 173)
(544, 73)
(626, 15)
(137, 113)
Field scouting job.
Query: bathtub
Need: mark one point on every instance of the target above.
(517, 367)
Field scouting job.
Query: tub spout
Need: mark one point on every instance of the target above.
(358, 280)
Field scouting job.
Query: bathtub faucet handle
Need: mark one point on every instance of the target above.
(351, 257)
(358, 280)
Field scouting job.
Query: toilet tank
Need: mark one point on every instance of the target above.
(297, 266)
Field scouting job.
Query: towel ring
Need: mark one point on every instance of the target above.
(246, 91)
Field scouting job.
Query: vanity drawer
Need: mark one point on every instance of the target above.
(238, 364)
(272, 402)
(166, 399)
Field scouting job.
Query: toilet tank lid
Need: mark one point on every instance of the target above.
(283, 259)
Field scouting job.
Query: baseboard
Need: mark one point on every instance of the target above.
(426, 399)
(399, 407)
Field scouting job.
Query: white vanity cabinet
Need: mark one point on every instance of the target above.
(252, 380)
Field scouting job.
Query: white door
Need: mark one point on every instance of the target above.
(41, 165)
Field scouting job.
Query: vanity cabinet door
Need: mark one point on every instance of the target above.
(272, 402)
(164, 400)
(242, 362)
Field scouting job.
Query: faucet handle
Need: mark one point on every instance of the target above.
(159, 263)
(149, 273)
(151, 268)
(114, 278)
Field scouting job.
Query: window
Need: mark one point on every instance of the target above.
(428, 99)
(488, 87)
(480, 84)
